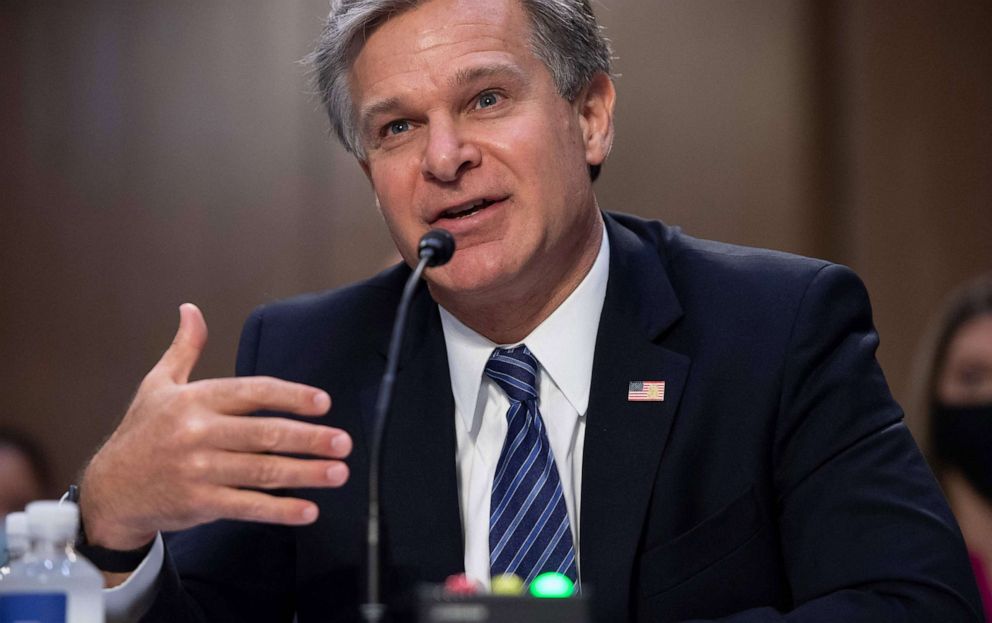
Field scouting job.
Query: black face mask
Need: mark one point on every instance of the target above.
(962, 438)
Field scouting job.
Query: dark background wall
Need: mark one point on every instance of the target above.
(155, 153)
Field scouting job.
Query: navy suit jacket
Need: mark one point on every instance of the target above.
(775, 482)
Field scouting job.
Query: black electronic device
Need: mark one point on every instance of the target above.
(436, 605)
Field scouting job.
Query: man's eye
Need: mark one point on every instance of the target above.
(397, 127)
(488, 99)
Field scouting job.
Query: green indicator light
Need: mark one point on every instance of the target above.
(552, 586)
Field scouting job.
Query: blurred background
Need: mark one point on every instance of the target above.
(153, 153)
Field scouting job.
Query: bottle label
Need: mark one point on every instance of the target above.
(32, 608)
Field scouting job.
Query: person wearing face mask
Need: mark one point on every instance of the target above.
(954, 418)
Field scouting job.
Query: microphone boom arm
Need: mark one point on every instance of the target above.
(435, 249)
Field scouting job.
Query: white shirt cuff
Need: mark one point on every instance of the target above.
(127, 602)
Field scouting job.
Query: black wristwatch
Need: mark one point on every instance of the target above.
(109, 560)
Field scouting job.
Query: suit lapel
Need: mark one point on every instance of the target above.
(623, 444)
(625, 440)
(421, 519)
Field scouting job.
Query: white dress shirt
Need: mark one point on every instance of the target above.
(563, 345)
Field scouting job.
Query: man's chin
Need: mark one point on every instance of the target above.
(464, 283)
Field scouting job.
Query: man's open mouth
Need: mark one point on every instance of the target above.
(468, 209)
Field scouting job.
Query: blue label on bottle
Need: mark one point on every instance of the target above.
(32, 608)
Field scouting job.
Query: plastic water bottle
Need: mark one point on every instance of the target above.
(16, 538)
(51, 583)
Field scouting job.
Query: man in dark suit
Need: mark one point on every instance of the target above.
(715, 436)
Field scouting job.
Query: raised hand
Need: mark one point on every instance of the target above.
(184, 454)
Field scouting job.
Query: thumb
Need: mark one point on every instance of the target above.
(178, 361)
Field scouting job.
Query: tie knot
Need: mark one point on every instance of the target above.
(515, 371)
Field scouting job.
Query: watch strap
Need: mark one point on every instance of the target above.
(105, 559)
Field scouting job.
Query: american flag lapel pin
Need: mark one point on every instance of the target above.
(646, 391)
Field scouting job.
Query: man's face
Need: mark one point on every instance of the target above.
(464, 130)
(18, 482)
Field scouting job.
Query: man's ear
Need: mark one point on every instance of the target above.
(595, 108)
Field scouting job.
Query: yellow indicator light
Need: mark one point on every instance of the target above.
(507, 585)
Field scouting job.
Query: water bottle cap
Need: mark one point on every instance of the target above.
(16, 524)
(52, 519)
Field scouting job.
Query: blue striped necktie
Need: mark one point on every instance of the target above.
(529, 532)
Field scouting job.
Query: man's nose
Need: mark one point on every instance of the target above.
(448, 153)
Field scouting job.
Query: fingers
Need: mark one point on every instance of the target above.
(272, 434)
(178, 361)
(183, 454)
(252, 393)
(259, 471)
(262, 507)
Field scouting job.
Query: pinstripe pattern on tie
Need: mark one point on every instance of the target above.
(529, 531)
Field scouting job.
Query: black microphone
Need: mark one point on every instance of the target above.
(435, 249)
(437, 245)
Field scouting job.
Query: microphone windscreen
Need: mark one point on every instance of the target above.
(438, 245)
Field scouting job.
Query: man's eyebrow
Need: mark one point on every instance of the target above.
(374, 109)
(495, 70)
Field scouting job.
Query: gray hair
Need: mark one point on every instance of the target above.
(566, 37)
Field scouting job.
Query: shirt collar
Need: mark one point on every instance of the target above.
(568, 362)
